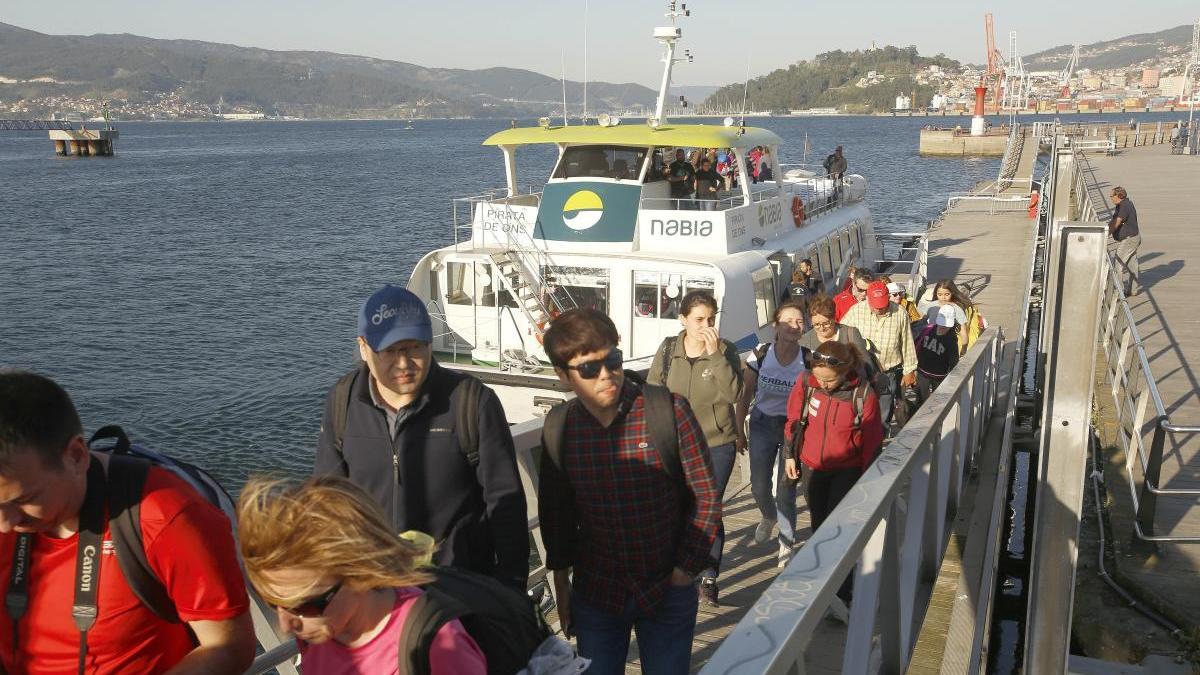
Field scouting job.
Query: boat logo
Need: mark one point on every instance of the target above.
(583, 210)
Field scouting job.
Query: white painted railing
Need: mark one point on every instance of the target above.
(890, 531)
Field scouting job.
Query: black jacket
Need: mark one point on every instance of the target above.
(423, 479)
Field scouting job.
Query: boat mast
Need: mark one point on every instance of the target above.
(669, 35)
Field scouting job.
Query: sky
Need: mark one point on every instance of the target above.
(726, 38)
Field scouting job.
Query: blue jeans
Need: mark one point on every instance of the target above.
(766, 465)
(664, 636)
(723, 457)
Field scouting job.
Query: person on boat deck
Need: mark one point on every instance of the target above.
(53, 502)
(852, 296)
(708, 182)
(755, 158)
(834, 430)
(771, 370)
(634, 533)
(971, 323)
(324, 556)
(765, 172)
(888, 332)
(706, 370)
(399, 441)
(656, 171)
(682, 177)
(937, 351)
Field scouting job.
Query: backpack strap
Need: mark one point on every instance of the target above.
(859, 399)
(668, 355)
(341, 406)
(428, 613)
(760, 353)
(660, 418)
(801, 424)
(554, 431)
(126, 481)
(465, 400)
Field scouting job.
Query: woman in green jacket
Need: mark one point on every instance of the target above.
(705, 369)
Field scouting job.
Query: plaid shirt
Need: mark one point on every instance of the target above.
(617, 517)
(890, 335)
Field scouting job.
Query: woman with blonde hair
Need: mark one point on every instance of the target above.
(321, 553)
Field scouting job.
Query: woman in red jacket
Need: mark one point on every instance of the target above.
(834, 422)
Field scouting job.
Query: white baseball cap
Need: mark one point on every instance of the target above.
(894, 287)
(946, 316)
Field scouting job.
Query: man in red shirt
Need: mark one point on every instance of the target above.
(842, 302)
(53, 496)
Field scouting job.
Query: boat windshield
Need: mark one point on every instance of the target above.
(601, 161)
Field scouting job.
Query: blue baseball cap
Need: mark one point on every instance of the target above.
(393, 314)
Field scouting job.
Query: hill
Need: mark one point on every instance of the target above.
(839, 79)
(299, 83)
(1123, 52)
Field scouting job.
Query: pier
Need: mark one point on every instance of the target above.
(69, 141)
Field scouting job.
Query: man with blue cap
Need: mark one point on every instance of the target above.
(431, 445)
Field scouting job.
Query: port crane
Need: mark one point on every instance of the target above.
(994, 72)
(1064, 78)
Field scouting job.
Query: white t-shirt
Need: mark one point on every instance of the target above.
(775, 382)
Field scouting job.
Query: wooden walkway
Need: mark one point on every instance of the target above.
(1164, 188)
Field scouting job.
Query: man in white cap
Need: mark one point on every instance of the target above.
(431, 445)
(937, 350)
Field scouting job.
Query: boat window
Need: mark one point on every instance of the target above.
(764, 295)
(600, 161)
(835, 249)
(811, 254)
(656, 295)
(460, 287)
(584, 287)
(856, 236)
(489, 283)
(847, 249)
(827, 270)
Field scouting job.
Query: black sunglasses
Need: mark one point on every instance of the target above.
(313, 607)
(590, 370)
(831, 360)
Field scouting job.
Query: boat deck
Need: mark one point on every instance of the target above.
(1163, 187)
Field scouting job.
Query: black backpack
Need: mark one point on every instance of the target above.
(502, 621)
(660, 420)
(464, 400)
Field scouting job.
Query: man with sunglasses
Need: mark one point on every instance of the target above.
(57, 551)
(850, 297)
(634, 531)
(401, 427)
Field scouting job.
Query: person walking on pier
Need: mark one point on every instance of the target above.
(771, 371)
(937, 351)
(75, 609)
(627, 502)
(834, 429)
(888, 331)
(854, 295)
(706, 370)
(1123, 227)
(430, 445)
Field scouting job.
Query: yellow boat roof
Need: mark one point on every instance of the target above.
(639, 134)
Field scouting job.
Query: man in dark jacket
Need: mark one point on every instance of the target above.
(400, 441)
(835, 165)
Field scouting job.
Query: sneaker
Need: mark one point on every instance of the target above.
(763, 532)
(708, 592)
(839, 611)
(785, 555)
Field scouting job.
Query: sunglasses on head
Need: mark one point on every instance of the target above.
(590, 370)
(826, 358)
(313, 607)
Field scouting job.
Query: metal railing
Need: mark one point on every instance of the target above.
(992, 202)
(462, 213)
(891, 530)
(911, 257)
(1135, 393)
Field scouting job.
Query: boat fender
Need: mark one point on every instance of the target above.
(798, 210)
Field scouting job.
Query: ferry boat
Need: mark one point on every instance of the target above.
(604, 232)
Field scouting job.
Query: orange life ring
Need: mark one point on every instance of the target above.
(798, 210)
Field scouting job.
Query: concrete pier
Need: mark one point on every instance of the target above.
(84, 142)
(960, 143)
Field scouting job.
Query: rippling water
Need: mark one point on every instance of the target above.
(200, 288)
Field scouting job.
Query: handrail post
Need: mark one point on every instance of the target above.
(1147, 505)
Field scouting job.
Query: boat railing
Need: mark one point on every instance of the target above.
(990, 201)
(905, 253)
(890, 532)
(463, 209)
(733, 199)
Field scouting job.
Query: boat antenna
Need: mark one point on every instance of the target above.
(585, 32)
(669, 35)
(563, 56)
(745, 93)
